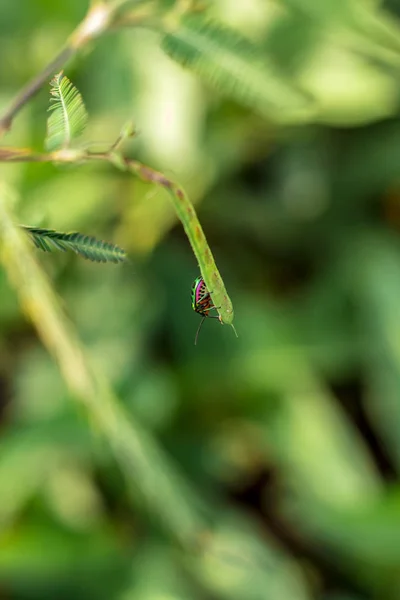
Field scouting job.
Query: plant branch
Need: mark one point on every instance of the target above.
(194, 231)
(182, 205)
(151, 476)
(98, 20)
(33, 87)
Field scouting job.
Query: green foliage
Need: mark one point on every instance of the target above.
(236, 67)
(86, 246)
(68, 114)
(263, 468)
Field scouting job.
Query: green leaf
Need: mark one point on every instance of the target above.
(374, 31)
(68, 114)
(236, 67)
(84, 245)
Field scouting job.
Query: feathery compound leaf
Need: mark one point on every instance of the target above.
(84, 245)
(232, 64)
(68, 114)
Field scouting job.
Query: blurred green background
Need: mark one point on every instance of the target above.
(290, 434)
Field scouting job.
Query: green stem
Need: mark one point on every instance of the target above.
(153, 480)
(194, 231)
(182, 205)
(98, 20)
(33, 87)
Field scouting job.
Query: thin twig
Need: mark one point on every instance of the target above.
(33, 87)
(182, 205)
(97, 21)
(152, 478)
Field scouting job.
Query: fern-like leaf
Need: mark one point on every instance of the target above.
(68, 116)
(84, 245)
(236, 67)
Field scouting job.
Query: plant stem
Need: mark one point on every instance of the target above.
(194, 231)
(152, 478)
(182, 205)
(98, 20)
(33, 87)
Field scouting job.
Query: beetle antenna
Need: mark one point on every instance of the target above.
(198, 330)
(233, 327)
